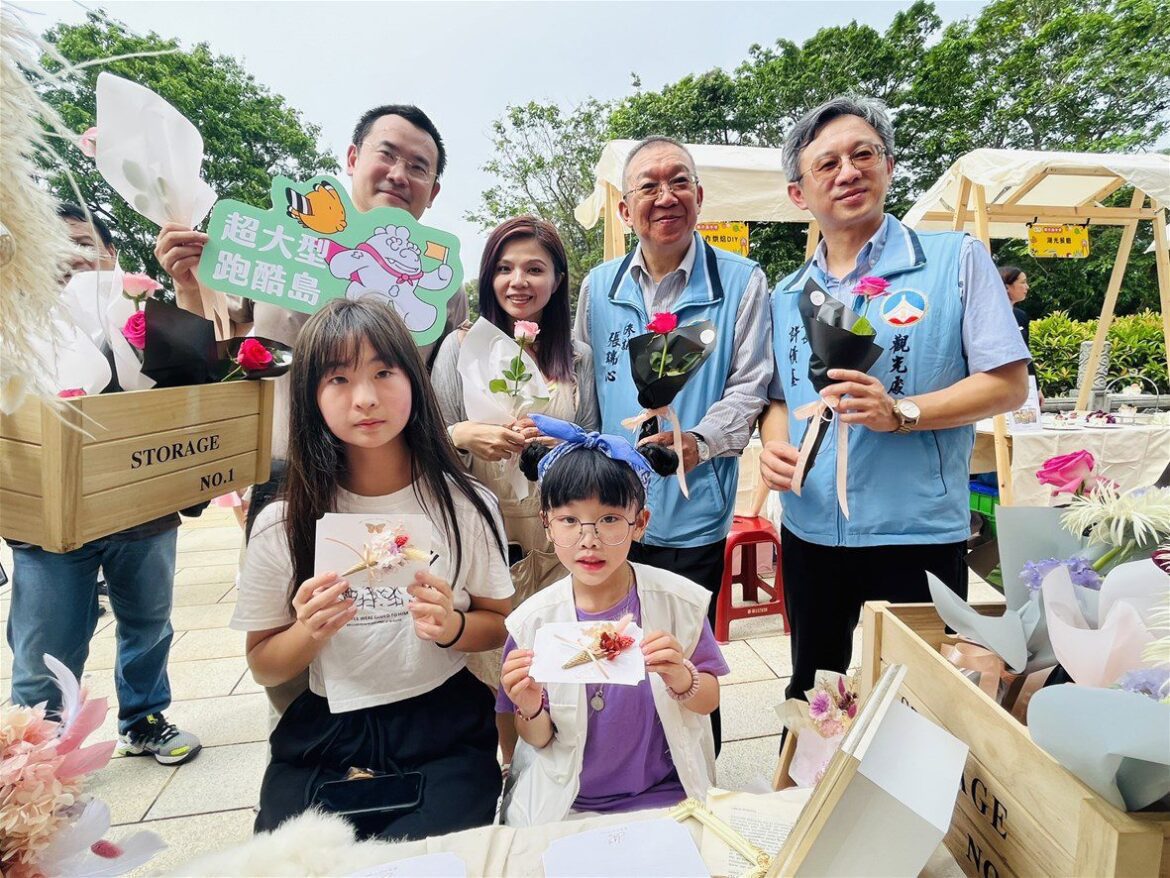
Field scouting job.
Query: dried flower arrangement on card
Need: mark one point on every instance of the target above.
(388, 548)
(608, 641)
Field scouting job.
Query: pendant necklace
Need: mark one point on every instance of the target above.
(597, 702)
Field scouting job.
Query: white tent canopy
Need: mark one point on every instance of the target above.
(996, 193)
(1018, 183)
(740, 184)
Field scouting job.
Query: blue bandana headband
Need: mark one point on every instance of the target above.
(573, 437)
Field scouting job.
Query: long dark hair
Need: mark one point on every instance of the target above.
(316, 458)
(554, 352)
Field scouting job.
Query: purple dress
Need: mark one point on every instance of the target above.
(627, 764)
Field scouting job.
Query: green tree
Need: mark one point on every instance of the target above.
(544, 160)
(1022, 74)
(249, 133)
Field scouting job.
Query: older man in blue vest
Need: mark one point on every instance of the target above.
(673, 269)
(951, 355)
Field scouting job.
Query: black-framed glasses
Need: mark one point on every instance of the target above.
(679, 185)
(864, 158)
(566, 530)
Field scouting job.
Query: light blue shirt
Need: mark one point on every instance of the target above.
(990, 335)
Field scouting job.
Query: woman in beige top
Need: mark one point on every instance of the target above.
(523, 275)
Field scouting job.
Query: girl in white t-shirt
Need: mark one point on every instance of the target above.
(393, 695)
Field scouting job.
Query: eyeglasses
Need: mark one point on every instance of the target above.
(864, 158)
(684, 183)
(565, 530)
(417, 171)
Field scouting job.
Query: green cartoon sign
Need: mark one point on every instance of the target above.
(312, 246)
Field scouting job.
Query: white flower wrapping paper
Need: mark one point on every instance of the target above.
(92, 312)
(485, 354)
(150, 153)
(1097, 651)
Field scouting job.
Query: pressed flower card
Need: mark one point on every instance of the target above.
(589, 652)
(378, 555)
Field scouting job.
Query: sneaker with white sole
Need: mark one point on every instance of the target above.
(153, 735)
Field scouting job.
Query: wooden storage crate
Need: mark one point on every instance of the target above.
(105, 463)
(1019, 812)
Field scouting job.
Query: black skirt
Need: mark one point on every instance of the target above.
(447, 734)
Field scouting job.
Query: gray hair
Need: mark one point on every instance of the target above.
(655, 140)
(804, 132)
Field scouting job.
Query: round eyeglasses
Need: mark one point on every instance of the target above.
(566, 530)
(680, 185)
(864, 158)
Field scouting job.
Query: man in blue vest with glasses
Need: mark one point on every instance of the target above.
(951, 355)
(673, 270)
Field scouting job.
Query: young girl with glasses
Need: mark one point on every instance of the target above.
(389, 692)
(598, 747)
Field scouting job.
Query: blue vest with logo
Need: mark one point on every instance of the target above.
(617, 313)
(903, 489)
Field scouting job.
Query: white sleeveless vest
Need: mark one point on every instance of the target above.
(546, 781)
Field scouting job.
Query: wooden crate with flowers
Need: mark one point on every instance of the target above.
(93, 464)
(1063, 696)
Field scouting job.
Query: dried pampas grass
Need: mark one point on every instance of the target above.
(34, 245)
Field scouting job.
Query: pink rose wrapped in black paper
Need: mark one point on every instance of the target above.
(662, 361)
(838, 338)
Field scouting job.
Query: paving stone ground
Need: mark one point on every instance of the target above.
(207, 804)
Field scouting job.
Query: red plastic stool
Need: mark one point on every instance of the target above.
(746, 534)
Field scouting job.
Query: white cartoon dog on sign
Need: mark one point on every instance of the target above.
(389, 266)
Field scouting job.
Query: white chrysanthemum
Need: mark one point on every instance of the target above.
(1112, 517)
(1157, 652)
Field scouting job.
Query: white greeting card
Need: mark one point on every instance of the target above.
(587, 648)
(379, 555)
(440, 865)
(648, 849)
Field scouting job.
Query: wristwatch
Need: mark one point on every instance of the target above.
(907, 413)
(701, 445)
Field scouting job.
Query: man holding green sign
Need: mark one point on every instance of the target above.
(396, 160)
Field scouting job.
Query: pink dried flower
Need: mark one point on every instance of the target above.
(106, 849)
(70, 393)
(821, 706)
(830, 728)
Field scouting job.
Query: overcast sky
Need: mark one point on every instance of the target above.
(463, 63)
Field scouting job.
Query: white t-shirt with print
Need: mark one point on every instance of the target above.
(364, 666)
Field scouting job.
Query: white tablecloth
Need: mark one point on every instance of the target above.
(1132, 456)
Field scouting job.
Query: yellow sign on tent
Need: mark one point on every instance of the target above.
(728, 236)
(1065, 241)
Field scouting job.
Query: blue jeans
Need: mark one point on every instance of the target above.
(54, 611)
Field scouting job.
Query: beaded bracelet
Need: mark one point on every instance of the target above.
(693, 690)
